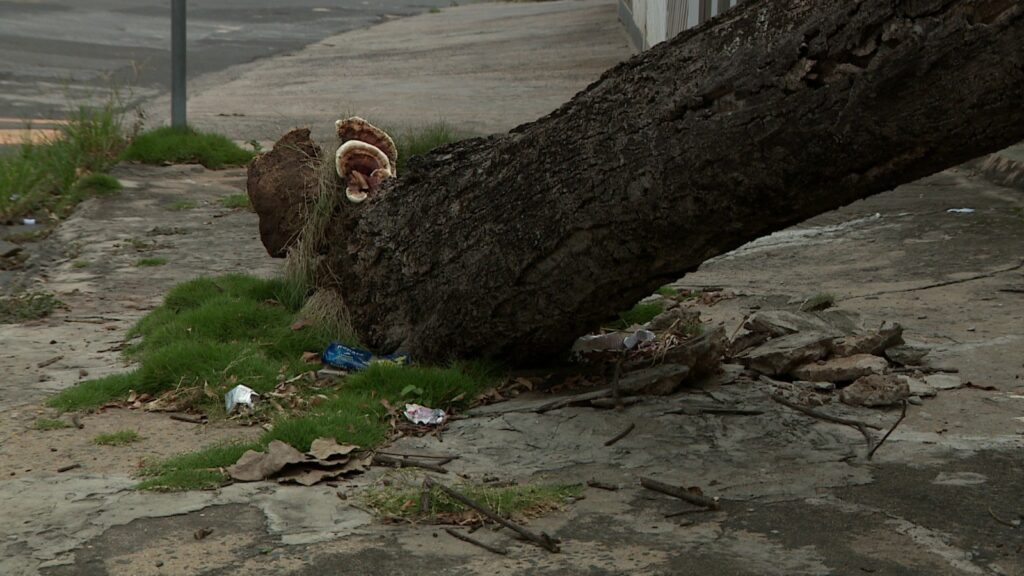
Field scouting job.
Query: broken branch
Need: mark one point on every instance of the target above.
(402, 462)
(543, 540)
(620, 435)
(681, 493)
(880, 442)
(860, 426)
(476, 542)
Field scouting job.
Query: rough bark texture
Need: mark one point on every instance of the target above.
(281, 184)
(512, 246)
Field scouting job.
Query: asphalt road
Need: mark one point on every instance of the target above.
(57, 52)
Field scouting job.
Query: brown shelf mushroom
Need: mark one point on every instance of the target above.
(365, 159)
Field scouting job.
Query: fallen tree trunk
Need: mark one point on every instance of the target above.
(512, 246)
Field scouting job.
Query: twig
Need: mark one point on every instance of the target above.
(860, 426)
(1000, 520)
(698, 410)
(53, 360)
(68, 467)
(425, 499)
(446, 457)
(619, 402)
(620, 435)
(615, 381)
(189, 419)
(476, 542)
(902, 416)
(681, 493)
(690, 511)
(602, 485)
(399, 462)
(543, 540)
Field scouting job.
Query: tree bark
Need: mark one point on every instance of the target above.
(512, 246)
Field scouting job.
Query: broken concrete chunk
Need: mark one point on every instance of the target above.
(876, 342)
(845, 369)
(944, 381)
(875, 390)
(906, 355)
(254, 466)
(781, 355)
(782, 322)
(918, 387)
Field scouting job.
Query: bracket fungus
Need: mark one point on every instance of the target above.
(366, 157)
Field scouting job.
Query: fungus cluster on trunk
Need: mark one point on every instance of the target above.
(366, 158)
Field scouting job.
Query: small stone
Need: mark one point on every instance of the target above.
(815, 386)
(918, 387)
(943, 381)
(915, 400)
(158, 563)
(841, 369)
(875, 390)
(906, 355)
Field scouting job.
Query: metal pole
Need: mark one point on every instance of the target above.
(178, 64)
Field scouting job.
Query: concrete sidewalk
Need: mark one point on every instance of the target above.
(483, 68)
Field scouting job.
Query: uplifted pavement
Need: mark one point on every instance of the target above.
(798, 496)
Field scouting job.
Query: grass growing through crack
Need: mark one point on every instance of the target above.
(119, 438)
(212, 333)
(522, 500)
(27, 306)
(46, 424)
(639, 314)
(181, 205)
(420, 140)
(186, 146)
(57, 174)
(820, 301)
(236, 202)
(152, 261)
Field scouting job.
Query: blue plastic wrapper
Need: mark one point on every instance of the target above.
(354, 359)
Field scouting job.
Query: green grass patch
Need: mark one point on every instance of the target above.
(236, 202)
(152, 261)
(639, 314)
(181, 206)
(50, 424)
(98, 184)
(418, 141)
(27, 306)
(820, 301)
(186, 146)
(524, 500)
(119, 438)
(181, 480)
(668, 291)
(53, 176)
(79, 264)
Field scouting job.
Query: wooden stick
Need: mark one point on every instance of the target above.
(476, 542)
(1000, 520)
(622, 401)
(446, 457)
(543, 540)
(902, 416)
(620, 435)
(189, 419)
(681, 493)
(68, 467)
(400, 462)
(860, 426)
(698, 410)
(602, 485)
(46, 363)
